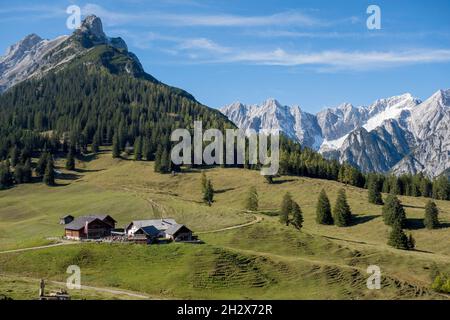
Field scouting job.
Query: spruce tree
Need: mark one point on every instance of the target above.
(18, 174)
(158, 156)
(431, 220)
(208, 195)
(94, 147)
(146, 151)
(342, 214)
(393, 211)
(6, 178)
(411, 242)
(41, 164)
(166, 163)
(374, 192)
(49, 175)
(138, 149)
(14, 156)
(323, 210)
(204, 181)
(398, 238)
(297, 216)
(27, 173)
(269, 179)
(116, 147)
(251, 202)
(286, 208)
(70, 161)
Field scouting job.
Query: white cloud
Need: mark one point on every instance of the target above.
(203, 44)
(340, 60)
(211, 20)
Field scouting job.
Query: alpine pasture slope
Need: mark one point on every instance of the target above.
(265, 260)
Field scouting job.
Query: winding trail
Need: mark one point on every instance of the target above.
(64, 243)
(255, 221)
(117, 292)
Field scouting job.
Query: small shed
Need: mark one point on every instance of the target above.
(66, 219)
(179, 233)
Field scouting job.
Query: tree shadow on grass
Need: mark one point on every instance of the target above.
(281, 181)
(363, 219)
(444, 225)
(69, 176)
(414, 224)
(87, 171)
(413, 207)
(224, 190)
(88, 157)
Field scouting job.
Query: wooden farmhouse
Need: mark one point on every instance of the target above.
(90, 227)
(154, 229)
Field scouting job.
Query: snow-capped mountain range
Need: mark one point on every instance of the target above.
(400, 134)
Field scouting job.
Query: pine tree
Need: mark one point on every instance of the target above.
(286, 208)
(27, 173)
(6, 178)
(166, 163)
(94, 147)
(138, 149)
(204, 181)
(398, 238)
(393, 211)
(146, 151)
(208, 195)
(41, 164)
(14, 156)
(431, 220)
(374, 192)
(158, 156)
(251, 203)
(323, 210)
(342, 214)
(70, 161)
(441, 188)
(411, 242)
(18, 174)
(116, 147)
(269, 179)
(297, 216)
(49, 175)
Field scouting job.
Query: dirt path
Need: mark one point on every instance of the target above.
(65, 243)
(131, 294)
(257, 220)
(116, 292)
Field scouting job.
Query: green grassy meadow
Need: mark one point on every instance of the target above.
(263, 261)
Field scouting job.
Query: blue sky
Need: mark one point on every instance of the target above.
(312, 53)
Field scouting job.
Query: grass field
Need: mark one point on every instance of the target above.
(262, 261)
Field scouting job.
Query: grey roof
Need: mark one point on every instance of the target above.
(160, 224)
(80, 222)
(175, 228)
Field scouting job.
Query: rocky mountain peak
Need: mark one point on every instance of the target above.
(24, 45)
(93, 26)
